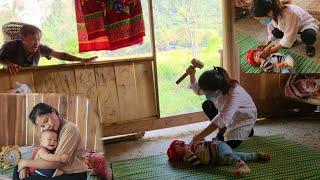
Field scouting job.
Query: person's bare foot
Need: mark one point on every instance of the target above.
(241, 170)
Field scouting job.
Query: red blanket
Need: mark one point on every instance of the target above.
(304, 87)
(109, 24)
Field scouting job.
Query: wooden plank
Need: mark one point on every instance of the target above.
(63, 105)
(269, 86)
(152, 124)
(72, 108)
(52, 99)
(107, 93)
(92, 125)
(44, 81)
(23, 78)
(146, 92)
(4, 81)
(154, 56)
(247, 81)
(20, 132)
(82, 116)
(30, 103)
(98, 142)
(86, 85)
(127, 91)
(65, 81)
(4, 119)
(39, 98)
(10, 125)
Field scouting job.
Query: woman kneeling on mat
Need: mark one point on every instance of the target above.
(229, 107)
(285, 21)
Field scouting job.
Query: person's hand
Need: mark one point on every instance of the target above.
(13, 68)
(23, 174)
(64, 158)
(195, 141)
(266, 52)
(86, 61)
(261, 47)
(21, 165)
(191, 71)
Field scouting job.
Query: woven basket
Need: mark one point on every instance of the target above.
(11, 30)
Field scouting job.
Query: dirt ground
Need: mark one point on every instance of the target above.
(303, 130)
(246, 24)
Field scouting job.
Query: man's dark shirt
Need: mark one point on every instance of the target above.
(13, 51)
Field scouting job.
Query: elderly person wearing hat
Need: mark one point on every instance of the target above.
(275, 62)
(214, 153)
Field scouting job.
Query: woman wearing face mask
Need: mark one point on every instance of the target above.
(229, 107)
(285, 21)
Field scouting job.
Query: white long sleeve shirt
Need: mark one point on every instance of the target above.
(292, 21)
(236, 111)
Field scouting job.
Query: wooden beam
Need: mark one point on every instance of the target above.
(79, 65)
(155, 69)
(227, 35)
(152, 124)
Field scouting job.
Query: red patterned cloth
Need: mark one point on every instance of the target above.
(109, 24)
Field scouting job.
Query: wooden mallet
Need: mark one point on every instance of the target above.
(195, 63)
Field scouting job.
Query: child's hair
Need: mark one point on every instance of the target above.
(261, 8)
(29, 29)
(47, 131)
(171, 152)
(216, 79)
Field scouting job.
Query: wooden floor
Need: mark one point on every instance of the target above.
(312, 6)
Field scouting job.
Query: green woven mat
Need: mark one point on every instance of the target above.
(290, 161)
(246, 42)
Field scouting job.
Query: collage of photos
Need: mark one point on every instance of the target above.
(170, 89)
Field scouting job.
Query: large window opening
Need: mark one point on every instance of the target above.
(184, 29)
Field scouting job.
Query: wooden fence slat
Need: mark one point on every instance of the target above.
(63, 105)
(81, 120)
(146, 92)
(52, 100)
(107, 92)
(72, 108)
(44, 81)
(4, 119)
(39, 98)
(30, 103)
(4, 81)
(127, 91)
(20, 120)
(11, 124)
(65, 81)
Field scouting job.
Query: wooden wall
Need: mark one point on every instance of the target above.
(267, 91)
(17, 129)
(120, 92)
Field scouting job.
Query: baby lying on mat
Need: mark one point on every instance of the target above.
(276, 62)
(214, 153)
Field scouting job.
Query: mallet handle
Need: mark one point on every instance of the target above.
(182, 78)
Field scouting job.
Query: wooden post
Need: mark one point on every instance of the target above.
(229, 60)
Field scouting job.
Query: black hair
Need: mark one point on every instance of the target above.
(216, 79)
(261, 8)
(41, 109)
(29, 29)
